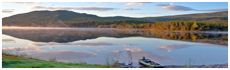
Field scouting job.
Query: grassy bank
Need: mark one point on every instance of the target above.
(11, 61)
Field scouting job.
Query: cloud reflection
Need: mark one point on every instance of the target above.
(127, 44)
(138, 53)
(78, 43)
(39, 53)
(212, 45)
(65, 55)
(170, 47)
(8, 41)
(22, 50)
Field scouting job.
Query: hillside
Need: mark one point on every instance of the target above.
(59, 17)
(53, 18)
(212, 17)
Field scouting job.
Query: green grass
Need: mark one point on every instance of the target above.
(11, 61)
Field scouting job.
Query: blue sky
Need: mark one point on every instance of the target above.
(129, 9)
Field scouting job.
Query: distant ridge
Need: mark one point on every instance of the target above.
(199, 15)
(53, 18)
(212, 17)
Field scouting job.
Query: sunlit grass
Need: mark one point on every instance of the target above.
(11, 61)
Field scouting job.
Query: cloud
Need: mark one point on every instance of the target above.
(172, 7)
(149, 13)
(23, 3)
(129, 9)
(95, 8)
(222, 9)
(74, 8)
(8, 41)
(51, 8)
(7, 10)
(50, 4)
(161, 5)
(136, 3)
(170, 47)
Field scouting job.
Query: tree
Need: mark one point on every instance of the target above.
(194, 26)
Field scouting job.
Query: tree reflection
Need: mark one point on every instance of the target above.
(70, 35)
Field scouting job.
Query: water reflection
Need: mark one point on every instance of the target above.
(93, 45)
(39, 53)
(8, 41)
(22, 50)
(137, 53)
(170, 47)
(65, 55)
(76, 34)
(75, 43)
(66, 35)
(94, 51)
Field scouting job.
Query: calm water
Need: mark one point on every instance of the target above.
(93, 46)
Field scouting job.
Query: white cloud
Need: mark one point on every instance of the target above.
(23, 3)
(136, 3)
(73, 8)
(149, 13)
(50, 4)
(129, 9)
(172, 7)
(94, 8)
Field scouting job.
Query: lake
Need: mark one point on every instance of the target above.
(95, 45)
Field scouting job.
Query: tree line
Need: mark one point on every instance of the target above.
(167, 25)
(137, 24)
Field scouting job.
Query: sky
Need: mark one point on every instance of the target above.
(128, 9)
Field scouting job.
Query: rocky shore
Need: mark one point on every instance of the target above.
(198, 66)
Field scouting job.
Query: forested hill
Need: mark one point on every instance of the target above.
(204, 15)
(211, 17)
(50, 17)
(60, 17)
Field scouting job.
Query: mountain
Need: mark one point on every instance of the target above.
(59, 17)
(53, 18)
(212, 17)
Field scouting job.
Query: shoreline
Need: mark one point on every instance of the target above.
(19, 27)
(12, 61)
(207, 41)
(198, 66)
